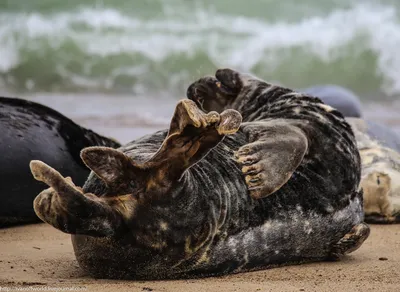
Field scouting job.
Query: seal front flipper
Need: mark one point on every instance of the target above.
(276, 150)
(192, 134)
(67, 208)
(351, 241)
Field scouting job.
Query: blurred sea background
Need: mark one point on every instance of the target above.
(119, 66)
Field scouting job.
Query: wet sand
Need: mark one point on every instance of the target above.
(41, 256)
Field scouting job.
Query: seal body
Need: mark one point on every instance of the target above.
(379, 148)
(210, 197)
(33, 131)
(344, 100)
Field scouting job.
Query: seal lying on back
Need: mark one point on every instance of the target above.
(379, 147)
(216, 195)
(32, 131)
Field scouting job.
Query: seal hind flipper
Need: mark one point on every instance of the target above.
(351, 241)
(270, 160)
(67, 208)
(192, 134)
(112, 166)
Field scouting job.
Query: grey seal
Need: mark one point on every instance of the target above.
(248, 176)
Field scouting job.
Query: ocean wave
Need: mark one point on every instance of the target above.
(107, 49)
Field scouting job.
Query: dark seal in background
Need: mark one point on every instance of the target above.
(31, 131)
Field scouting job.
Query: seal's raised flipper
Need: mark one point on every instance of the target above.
(351, 241)
(68, 209)
(192, 134)
(111, 165)
(270, 160)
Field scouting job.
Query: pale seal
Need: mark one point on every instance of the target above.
(379, 150)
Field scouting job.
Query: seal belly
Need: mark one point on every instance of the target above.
(298, 237)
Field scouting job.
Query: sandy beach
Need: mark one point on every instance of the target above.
(39, 258)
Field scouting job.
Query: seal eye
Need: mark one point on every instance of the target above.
(378, 181)
(132, 184)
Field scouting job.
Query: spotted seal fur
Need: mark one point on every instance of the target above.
(379, 147)
(29, 130)
(259, 176)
